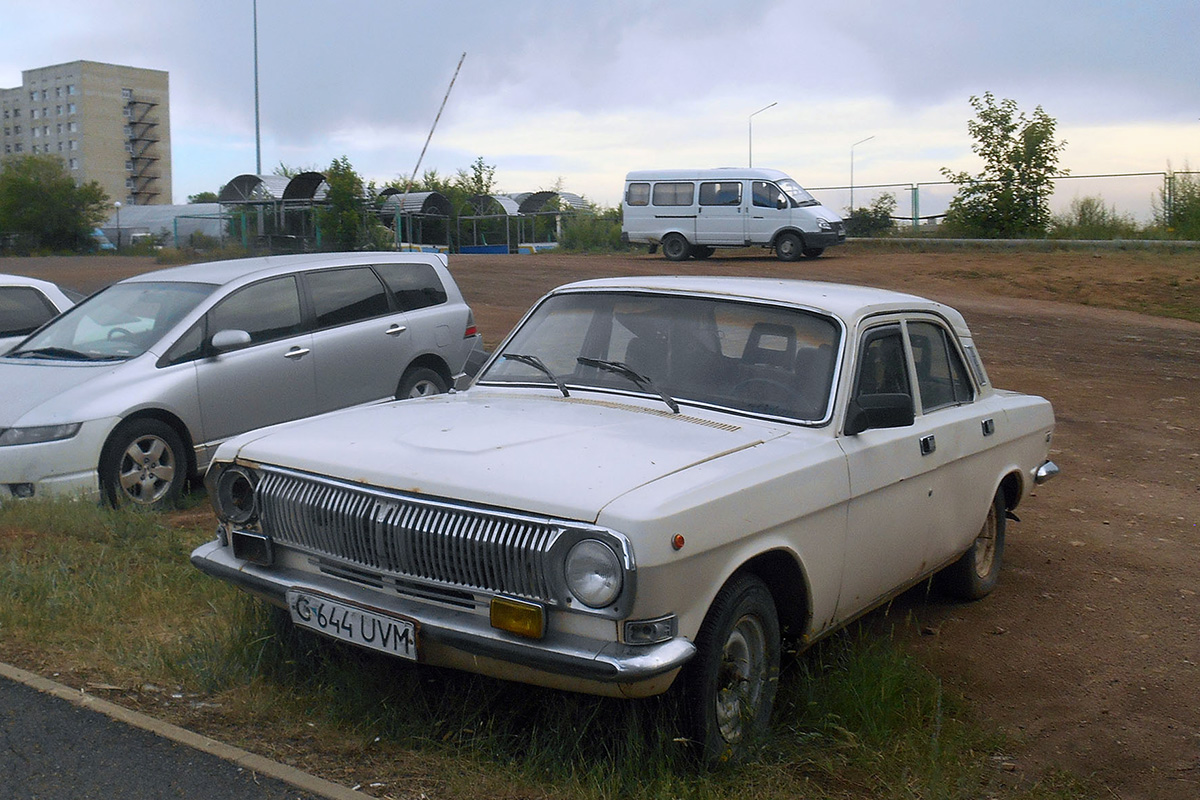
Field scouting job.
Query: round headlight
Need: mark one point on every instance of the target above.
(593, 573)
(235, 496)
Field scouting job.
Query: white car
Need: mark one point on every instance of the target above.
(129, 393)
(651, 481)
(28, 303)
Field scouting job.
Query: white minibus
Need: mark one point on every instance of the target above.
(689, 213)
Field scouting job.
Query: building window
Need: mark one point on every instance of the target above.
(45, 95)
(18, 147)
(127, 94)
(60, 147)
(73, 127)
(33, 113)
(70, 108)
(17, 130)
(33, 96)
(58, 110)
(70, 88)
(35, 150)
(58, 129)
(16, 113)
(129, 183)
(37, 132)
(129, 166)
(74, 162)
(128, 147)
(127, 111)
(58, 91)
(74, 144)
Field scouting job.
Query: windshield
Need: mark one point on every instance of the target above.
(742, 356)
(120, 322)
(797, 193)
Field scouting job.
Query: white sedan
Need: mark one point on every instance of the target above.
(26, 304)
(652, 481)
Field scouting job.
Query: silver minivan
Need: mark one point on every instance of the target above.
(128, 394)
(690, 212)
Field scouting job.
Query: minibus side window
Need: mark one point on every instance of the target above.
(638, 194)
(674, 194)
(726, 193)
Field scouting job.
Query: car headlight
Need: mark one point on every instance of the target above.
(38, 433)
(593, 572)
(234, 497)
(823, 224)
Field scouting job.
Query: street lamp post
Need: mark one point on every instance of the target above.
(117, 205)
(750, 124)
(856, 144)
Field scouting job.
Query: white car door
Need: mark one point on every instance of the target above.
(893, 505)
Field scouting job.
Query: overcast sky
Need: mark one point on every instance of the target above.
(585, 91)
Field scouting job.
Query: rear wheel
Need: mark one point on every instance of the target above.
(975, 574)
(675, 247)
(788, 247)
(420, 382)
(143, 464)
(730, 683)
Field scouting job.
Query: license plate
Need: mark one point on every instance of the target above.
(352, 624)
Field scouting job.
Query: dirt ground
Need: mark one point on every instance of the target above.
(1088, 653)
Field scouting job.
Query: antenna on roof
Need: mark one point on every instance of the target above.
(420, 158)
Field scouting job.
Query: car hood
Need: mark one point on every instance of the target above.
(58, 390)
(564, 457)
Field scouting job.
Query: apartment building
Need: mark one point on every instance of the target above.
(108, 123)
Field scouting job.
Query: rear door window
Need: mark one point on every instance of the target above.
(413, 285)
(342, 296)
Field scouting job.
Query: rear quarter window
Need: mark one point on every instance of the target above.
(413, 285)
(638, 194)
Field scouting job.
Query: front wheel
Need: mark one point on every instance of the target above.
(143, 464)
(675, 247)
(788, 247)
(974, 575)
(730, 683)
(420, 382)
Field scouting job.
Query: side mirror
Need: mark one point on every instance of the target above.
(781, 203)
(879, 411)
(226, 340)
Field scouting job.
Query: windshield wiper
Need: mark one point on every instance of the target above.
(53, 352)
(623, 369)
(537, 364)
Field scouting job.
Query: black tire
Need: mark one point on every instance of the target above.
(420, 382)
(675, 247)
(729, 686)
(813, 252)
(974, 575)
(789, 247)
(701, 252)
(143, 465)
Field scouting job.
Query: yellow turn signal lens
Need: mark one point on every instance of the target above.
(519, 617)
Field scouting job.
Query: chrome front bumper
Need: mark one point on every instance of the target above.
(447, 634)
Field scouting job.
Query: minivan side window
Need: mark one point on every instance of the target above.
(725, 193)
(267, 310)
(413, 285)
(674, 194)
(342, 296)
(638, 194)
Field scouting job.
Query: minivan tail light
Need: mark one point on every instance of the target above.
(471, 329)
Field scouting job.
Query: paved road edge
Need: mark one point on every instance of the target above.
(264, 766)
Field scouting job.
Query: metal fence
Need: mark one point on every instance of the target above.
(1142, 197)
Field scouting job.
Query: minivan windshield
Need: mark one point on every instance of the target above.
(120, 322)
(798, 194)
(740, 356)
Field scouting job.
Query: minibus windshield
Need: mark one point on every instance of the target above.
(797, 193)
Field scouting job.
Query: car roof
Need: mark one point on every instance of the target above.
(849, 302)
(222, 272)
(8, 279)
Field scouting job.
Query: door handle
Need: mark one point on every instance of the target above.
(395, 330)
(928, 444)
(989, 426)
(296, 352)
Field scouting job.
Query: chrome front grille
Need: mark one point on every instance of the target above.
(410, 537)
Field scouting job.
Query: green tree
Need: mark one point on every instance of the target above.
(1011, 197)
(479, 179)
(40, 201)
(874, 220)
(348, 220)
(1177, 211)
(203, 197)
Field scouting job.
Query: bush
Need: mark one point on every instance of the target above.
(875, 220)
(1089, 218)
(593, 233)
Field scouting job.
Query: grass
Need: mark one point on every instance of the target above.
(107, 599)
